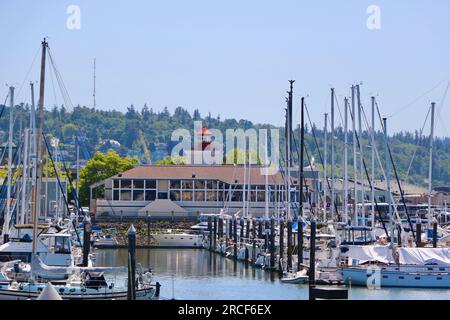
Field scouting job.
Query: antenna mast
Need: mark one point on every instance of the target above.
(94, 85)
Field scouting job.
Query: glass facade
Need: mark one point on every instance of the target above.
(194, 190)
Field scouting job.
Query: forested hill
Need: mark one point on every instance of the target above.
(147, 134)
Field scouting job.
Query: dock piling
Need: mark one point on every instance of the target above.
(131, 290)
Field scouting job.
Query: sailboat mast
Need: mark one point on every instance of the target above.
(430, 166)
(37, 196)
(325, 169)
(332, 156)
(9, 185)
(346, 160)
(355, 169)
(361, 155)
(93, 94)
(372, 143)
(388, 183)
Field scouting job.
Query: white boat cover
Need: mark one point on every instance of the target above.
(423, 256)
(370, 253)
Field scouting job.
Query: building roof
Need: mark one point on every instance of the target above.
(226, 173)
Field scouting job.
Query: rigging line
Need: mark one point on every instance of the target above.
(370, 183)
(398, 183)
(321, 159)
(60, 185)
(441, 106)
(54, 91)
(28, 72)
(304, 178)
(417, 99)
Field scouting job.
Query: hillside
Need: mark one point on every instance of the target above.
(147, 134)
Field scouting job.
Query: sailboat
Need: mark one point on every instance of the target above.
(26, 280)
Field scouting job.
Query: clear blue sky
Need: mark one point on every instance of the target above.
(234, 58)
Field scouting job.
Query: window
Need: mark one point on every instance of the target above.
(199, 195)
(125, 195)
(150, 195)
(187, 184)
(116, 183)
(211, 196)
(126, 184)
(236, 196)
(211, 184)
(138, 184)
(252, 196)
(175, 184)
(187, 195)
(162, 195)
(62, 245)
(150, 184)
(261, 196)
(175, 195)
(138, 195)
(199, 184)
(116, 195)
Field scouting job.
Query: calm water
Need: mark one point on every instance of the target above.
(197, 274)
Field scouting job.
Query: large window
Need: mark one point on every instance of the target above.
(199, 195)
(175, 195)
(138, 195)
(125, 195)
(150, 184)
(187, 195)
(175, 184)
(138, 184)
(150, 195)
(125, 184)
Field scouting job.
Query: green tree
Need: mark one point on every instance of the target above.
(101, 167)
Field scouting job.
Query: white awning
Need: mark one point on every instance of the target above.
(370, 253)
(423, 256)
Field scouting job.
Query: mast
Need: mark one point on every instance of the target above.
(24, 176)
(266, 182)
(94, 85)
(249, 185)
(372, 144)
(78, 165)
(289, 145)
(37, 202)
(355, 169)
(361, 149)
(325, 169)
(346, 161)
(430, 166)
(332, 155)
(300, 181)
(9, 185)
(388, 184)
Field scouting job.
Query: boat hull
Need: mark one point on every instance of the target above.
(364, 277)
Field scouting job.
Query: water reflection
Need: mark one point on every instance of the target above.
(199, 274)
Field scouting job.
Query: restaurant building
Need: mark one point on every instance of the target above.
(187, 191)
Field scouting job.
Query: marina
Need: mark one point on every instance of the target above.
(251, 155)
